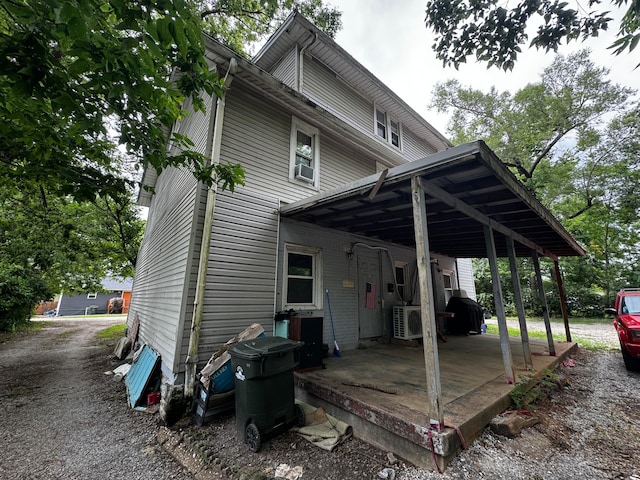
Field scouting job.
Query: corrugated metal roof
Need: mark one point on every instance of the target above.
(462, 179)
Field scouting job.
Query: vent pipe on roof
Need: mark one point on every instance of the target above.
(300, 72)
(213, 151)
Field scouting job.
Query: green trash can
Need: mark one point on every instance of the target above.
(265, 399)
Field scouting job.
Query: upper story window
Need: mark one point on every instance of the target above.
(387, 128)
(305, 153)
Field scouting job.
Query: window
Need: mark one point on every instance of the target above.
(305, 153)
(447, 278)
(387, 128)
(92, 296)
(381, 124)
(302, 274)
(395, 133)
(401, 279)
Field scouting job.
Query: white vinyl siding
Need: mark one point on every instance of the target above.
(241, 274)
(322, 86)
(413, 147)
(165, 258)
(258, 136)
(286, 70)
(465, 277)
(163, 290)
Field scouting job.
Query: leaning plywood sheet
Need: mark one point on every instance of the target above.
(218, 369)
(140, 373)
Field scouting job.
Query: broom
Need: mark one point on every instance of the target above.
(336, 351)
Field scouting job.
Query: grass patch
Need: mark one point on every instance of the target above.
(112, 333)
(572, 320)
(583, 342)
(28, 328)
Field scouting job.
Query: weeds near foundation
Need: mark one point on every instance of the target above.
(531, 388)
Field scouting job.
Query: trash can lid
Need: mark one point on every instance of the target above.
(256, 348)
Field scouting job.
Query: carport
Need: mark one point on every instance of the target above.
(463, 203)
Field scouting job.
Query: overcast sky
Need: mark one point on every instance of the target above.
(391, 40)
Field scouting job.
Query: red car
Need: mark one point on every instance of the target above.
(626, 319)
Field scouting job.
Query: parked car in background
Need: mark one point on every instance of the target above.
(626, 320)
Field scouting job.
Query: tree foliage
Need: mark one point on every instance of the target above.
(242, 23)
(572, 99)
(83, 82)
(495, 33)
(573, 139)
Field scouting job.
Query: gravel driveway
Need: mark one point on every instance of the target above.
(62, 418)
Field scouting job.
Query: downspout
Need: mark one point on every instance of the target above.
(310, 42)
(205, 247)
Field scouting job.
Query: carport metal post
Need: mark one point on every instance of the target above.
(517, 295)
(427, 311)
(543, 299)
(499, 304)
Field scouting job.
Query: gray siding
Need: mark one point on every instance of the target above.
(338, 270)
(465, 277)
(257, 135)
(77, 304)
(163, 288)
(242, 270)
(322, 86)
(413, 147)
(286, 70)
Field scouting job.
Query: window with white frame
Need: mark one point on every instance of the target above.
(401, 279)
(92, 296)
(302, 277)
(447, 278)
(305, 153)
(387, 128)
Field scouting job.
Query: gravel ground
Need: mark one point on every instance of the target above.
(61, 417)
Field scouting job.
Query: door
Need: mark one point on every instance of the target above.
(370, 319)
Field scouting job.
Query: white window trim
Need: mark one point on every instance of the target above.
(405, 268)
(296, 126)
(92, 296)
(388, 119)
(316, 253)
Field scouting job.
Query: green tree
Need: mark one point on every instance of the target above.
(80, 81)
(531, 126)
(242, 23)
(572, 138)
(495, 33)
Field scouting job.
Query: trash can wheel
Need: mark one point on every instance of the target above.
(301, 417)
(252, 437)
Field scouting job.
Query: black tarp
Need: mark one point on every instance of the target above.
(468, 316)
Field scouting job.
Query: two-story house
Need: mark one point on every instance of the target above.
(333, 159)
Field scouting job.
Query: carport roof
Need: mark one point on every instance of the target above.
(466, 187)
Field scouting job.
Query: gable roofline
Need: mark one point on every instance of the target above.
(297, 30)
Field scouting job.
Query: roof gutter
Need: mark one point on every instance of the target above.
(207, 228)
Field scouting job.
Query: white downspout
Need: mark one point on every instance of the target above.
(205, 247)
(301, 61)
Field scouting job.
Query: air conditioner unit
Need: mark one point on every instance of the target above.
(305, 173)
(407, 323)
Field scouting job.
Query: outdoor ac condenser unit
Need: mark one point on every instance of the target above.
(305, 173)
(407, 323)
